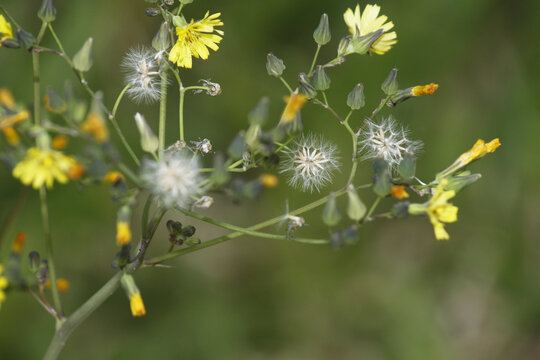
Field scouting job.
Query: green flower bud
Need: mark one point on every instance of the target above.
(258, 115)
(220, 175)
(188, 231)
(336, 240)
(26, 40)
(343, 47)
(322, 34)
(149, 141)
(161, 40)
(274, 65)
(381, 181)
(321, 81)
(401, 209)
(237, 146)
(356, 209)
(53, 102)
(407, 167)
(390, 84)
(331, 215)
(350, 235)
(362, 44)
(47, 11)
(33, 259)
(185, 2)
(82, 61)
(11, 43)
(462, 180)
(306, 87)
(252, 136)
(179, 21)
(356, 99)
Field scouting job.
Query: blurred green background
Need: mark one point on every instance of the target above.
(397, 294)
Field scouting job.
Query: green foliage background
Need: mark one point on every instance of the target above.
(398, 294)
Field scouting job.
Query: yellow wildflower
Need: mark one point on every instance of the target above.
(424, 89)
(123, 233)
(137, 305)
(5, 29)
(294, 104)
(18, 244)
(11, 135)
(95, 126)
(398, 191)
(3, 284)
(113, 176)
(76, 171)
(369, 21)
(269, 180)
(479, 149)
(42, 167)
(194, 39)
(61, 283)
(6, 98)
(59, 142)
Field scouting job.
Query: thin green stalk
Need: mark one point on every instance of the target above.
(250, 232)
(372, 209)
(53, 33)
(286, 84)
(37, 80)
(72, 322)
(11, 19)
(314, 59)
(179, 9)
(181, 113)
(112, 118)
(162, 110)
(354, 138)
(49, 252)
(373, 114)
(130, 174)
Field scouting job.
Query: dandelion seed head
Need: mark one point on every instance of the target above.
(174, 178)
(141, 66)
(388, 141)
(310, 162)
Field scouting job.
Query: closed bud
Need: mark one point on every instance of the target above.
(43, 272)
(462, 180)
(151, 12)
(401, 209)
(362, 44)
(343, 47)
(381, 181)
(149, 141)
(161, 40)
(390, 84)
(356, 209)
(82, 61)
(47, 11)
(53, 102)
(188, 231)
(274, 65)
(321, 81)
(356, 99)
(134, 295)
(336, 240)
(237, 146)
(350, 235)
(220, 173)
(322, 34)
(306, 87)
(331, 215)
(11, 43)
(26, 40)
(252, 136)
(407, 166)
(258, 115)
(179, 21)
(185, 2)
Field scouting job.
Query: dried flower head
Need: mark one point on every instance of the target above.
(310, 162)
(212, 88)
(142, 72)
(388, 141)
(174, 178)
(204, 146)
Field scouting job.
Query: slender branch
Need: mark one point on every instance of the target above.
(35, 67)
(327, 107)
(373, 114)
(56, 38)
(112, 118)
(181, 112)
(286, 84)
(162, 110)
(314, 59)
(373, 207)
(11, 19)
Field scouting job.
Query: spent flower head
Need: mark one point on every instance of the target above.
(174, 178)
(310, 162)
(142, 72)
(388, 141)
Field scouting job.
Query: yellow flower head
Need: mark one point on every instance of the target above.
(424, 89)
(42, 167)
(5, 29)
(441, 211)
(398, 191)
(3, 285)
(294, 104)
(18, 244)
(479, 149)
(59, 142)
(370, 21)
(113, 176)
(194, 39)
(6, 98)
(123, 233)
(95, 126)
(11, 135)
(137, 305)
(269, 180)
(76, 171)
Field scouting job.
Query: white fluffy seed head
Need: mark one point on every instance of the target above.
(174, 179)
(310, 163)
(142, 72)
(388, 141)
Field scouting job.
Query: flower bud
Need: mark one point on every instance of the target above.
(331, 215)
(356, 99)
(350, 235)
(306, 87)
(134, 295)
(356, 209)
(258, 115)
(321, 81)
(53, 102)
(188, 231)
(407, 166)
(274, 65)
(26, 40)
(462, 180)
(47, 11)
(179, 21)
(343, 46)
(11, 43)
(237, 146)
(401, 209)
(362, 44)
(390, 84)
(82, 61)
(161, 40)
(381, 181)
(149, 141)
(322, 34)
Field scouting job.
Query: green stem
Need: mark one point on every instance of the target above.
(354, 138)
(130, 174)
(112, 118)
(372, 209)
(314, 59)
(181, 113)
(373, 114)
(250, 232)
(56, 38)
(162, 110)
(71, 323)
(286, 84)
(11, 19)
(49, 251)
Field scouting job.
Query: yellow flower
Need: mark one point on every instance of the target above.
(123, 233)
(3, 285)
(294, 104)
(61, 283)
(11, 135)
(95, 126)
(6, 98)
(424, 89)
(370, 21)
(59, 142)
(5, 29)
(113, 176)
(398, 191)
(479, 149)
(137, 305)
(194, 39)
(76, 171)
(42, 167)
(269, 180)
(10, 116)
